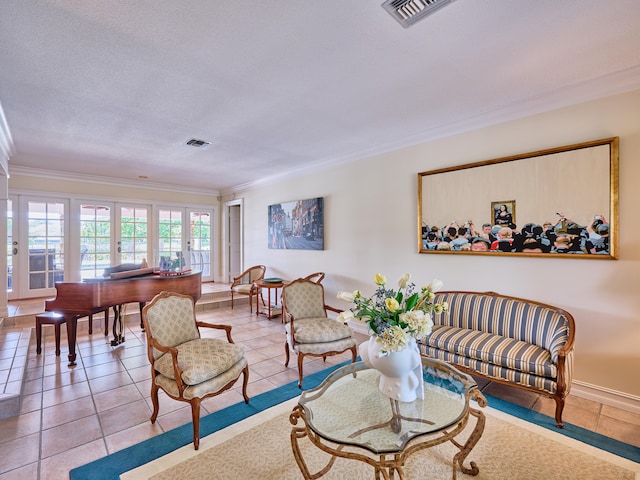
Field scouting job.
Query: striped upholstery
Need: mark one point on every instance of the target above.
(507, 317)
(503, 338)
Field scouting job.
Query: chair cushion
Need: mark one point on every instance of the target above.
(493, 349)
(243, 288)
(211, 386)
(200, 360)
(318, 330)
(323, 348)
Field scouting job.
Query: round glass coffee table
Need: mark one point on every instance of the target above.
(347, 416)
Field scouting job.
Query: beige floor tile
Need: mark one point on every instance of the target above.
(22, 473)
(19, 452)
(67, 412)
(29, 403)
(124, 416)
(65, 394)
(624, 415)
(70, 435)
(57, 467)
(103, 369)
(109, 382)
(620, 430)
(20, 426)
(131, 436)
(116, 397)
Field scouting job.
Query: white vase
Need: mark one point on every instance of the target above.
(400, 372)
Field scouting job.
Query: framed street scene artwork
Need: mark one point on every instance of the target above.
(297, 225)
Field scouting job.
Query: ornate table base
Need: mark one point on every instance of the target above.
(387, 465)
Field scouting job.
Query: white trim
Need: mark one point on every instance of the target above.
(606, 396)
(121, 182)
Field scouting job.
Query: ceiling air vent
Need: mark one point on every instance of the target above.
(408, 12)
(194, 142)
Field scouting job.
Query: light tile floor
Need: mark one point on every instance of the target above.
(71, 416)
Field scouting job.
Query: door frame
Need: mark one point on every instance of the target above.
(226, 238)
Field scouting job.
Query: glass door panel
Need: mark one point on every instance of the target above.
(45, 240)
(133, 244)
(200, 235)
(170, 239)
(95, 239)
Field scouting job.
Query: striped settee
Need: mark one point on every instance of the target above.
(506, 339)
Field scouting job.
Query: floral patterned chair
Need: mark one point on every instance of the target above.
(244, 284)
(187, 367)
(308, 329)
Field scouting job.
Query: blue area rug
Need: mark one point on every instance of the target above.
(112, 466)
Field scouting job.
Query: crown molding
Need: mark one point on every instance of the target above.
(6, 143)
(119, 182)
(566, 96)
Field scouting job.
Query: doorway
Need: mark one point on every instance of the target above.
(233, 238)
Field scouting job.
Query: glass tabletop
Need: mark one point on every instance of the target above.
(350, 409)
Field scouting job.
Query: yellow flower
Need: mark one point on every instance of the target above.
(392, 304)
(380, 279)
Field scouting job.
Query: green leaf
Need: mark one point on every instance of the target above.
(411, 302)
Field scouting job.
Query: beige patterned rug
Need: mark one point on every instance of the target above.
(260, 448)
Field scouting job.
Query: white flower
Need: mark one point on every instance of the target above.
(393, 339)
(419, 322)
(404, 280)
(345, 316)
(434, 286)
(346, 296)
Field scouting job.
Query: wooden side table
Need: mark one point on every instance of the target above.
(273, 310)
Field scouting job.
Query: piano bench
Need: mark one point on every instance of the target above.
(48, 318)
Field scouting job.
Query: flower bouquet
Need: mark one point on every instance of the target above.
(396, 318)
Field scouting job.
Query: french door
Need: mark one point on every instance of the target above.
(36, 246)
(43, 247)
(185, 239)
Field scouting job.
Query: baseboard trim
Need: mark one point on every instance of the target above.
(606, 396)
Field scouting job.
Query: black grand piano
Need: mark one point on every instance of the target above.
(75, 300)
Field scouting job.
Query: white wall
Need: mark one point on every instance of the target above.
(371, 220)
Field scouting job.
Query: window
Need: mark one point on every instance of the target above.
(95, 240)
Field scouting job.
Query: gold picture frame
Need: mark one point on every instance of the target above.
(567, 200)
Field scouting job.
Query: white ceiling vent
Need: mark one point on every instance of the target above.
(194, 142)
(408, 12)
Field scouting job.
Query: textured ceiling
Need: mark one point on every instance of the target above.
(115, 89)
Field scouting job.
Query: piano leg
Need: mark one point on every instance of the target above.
(142, 304)
(118, 335)
(72, 328)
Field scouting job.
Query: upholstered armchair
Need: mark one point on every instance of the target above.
(244, 284)
(309, 332)
(187, 367)
(315, 277)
